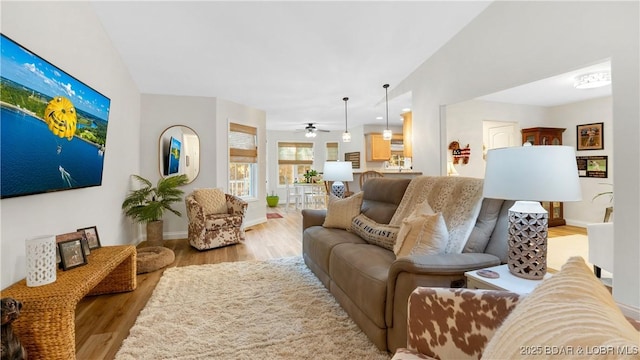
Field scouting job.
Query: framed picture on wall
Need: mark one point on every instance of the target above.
(593, 166)
(590, 136)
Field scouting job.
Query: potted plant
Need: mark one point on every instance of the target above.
(148, 204)
(272, 200)
(609, 210)
(309, 176)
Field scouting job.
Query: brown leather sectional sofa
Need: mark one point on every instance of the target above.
(371, 284)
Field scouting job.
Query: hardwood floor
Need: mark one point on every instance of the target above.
(103, 322)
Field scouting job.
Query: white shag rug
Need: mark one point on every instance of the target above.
(274, 309)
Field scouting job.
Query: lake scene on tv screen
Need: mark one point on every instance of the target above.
(53, 126)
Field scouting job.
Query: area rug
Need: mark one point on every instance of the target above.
(274, 216)
(561, 248)
(274, 309)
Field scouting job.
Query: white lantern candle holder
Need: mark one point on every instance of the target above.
(41, 260)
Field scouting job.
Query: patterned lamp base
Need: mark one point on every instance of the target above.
(528, 241)
(338, 189)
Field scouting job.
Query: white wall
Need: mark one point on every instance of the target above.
(513, 43)
(89, 56)
(583, 212)
(209, 118)
(160, 112)
(464, 124)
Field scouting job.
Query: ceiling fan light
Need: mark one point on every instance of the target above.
(310, 134)
(346, 136)
(593, 80)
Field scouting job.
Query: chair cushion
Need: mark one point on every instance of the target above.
(213, 201)
(571, 309)
(374, 233)
(340, 212)
(219, 221)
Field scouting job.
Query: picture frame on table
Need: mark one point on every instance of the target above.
(91, 234)
(590, 136)
(71, 253)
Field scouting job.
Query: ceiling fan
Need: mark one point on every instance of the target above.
(310, 130)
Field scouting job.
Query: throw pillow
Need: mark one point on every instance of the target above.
(340, 212)
(374, 233)
(213, 201)
(423, 234)
(570, 311)
(420, 209)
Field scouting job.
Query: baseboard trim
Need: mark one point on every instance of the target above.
(629, 311)
(255, 222)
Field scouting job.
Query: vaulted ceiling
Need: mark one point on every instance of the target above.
(294, 59)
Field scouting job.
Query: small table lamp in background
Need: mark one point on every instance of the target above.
(530, 174)
(338, 171)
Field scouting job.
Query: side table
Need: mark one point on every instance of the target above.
(506, 281)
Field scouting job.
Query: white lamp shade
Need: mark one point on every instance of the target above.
(337, 171)
(534, 173)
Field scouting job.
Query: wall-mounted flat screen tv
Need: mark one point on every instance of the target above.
(53, 127)
(173, 159)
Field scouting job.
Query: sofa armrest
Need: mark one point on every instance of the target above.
(235, 205)
(455, 323)
(445, 264)
(313, 217)
(408, 272)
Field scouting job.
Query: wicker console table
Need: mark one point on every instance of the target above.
(46, 325)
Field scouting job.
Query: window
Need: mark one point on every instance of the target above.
(243, 158)
(294, 159)
(332, 151)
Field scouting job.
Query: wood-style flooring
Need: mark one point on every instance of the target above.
(103, 322)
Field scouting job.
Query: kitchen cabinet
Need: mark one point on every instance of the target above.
(379, 149)
(547, 136)
(407, 134)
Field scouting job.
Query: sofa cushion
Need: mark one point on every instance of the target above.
(459, 199)
(361, 270)
(382, 197)
(220, 221)
(340, 212)
(484, 226)
(213, 201)
(422, 235)
(376, 234)
(572, 309)
(318, 241)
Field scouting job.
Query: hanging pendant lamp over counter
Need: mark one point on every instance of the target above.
(387, 134)
(346, 136)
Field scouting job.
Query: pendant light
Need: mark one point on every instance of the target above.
(346, 136)
(387, 134)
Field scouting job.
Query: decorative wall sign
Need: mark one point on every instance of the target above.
(354, 157)
(592, 166)
(460, 155)
(590, 136)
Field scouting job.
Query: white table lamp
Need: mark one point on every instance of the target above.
(530, 174)
(338, 171)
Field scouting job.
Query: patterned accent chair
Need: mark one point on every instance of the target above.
(209, 231)
(453, 323)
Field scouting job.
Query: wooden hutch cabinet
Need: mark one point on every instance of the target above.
(547, 136)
